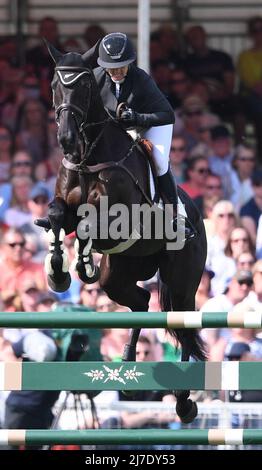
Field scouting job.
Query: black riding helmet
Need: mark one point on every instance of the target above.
(115, 50)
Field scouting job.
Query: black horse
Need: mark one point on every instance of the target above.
(101, 159)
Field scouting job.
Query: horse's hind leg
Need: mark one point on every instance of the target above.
(56, 262)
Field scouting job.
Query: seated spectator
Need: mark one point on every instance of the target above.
(251, 211)
(160, 71)
(238, 288)
(204, 289)
(216, 68)
(14, 270)
(221, 156)
(253, 301)
(212, 190)
(245, 260)
(240, 351)
(89, 294)
(239, 241)
(21, 166)
(190, 113)
(29, 295)
(31, 133)
(179, 87)
(18, 212)
(39, 61)
(37, 205)
(197, 171)
(224, 220)
(178, 155)
(243, 163)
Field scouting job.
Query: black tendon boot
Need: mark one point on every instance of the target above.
(168, 191)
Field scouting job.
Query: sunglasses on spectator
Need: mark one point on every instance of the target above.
(178, 149)
(226, 214)
(22, 163)
(247, 282)
(14, 244)
(237, 240)
(202, 171)
(214, 187)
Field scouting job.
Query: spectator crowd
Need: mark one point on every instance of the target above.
(214, 158)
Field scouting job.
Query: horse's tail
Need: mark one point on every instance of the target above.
(188, 338)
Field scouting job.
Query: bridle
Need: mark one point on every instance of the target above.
(69, 75)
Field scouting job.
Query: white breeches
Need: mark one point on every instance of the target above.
(161, 137)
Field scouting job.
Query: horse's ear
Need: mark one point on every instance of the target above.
(55, 54)
(90, 57)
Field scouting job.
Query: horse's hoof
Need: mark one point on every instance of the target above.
(187, 411)
(88, 280)
(59, 286)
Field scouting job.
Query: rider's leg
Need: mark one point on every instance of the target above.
(161, 138)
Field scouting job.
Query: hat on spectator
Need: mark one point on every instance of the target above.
(193, 103)
(39, 189)
(46, 296)
(219, 132)
(238, 349)
(243, 275)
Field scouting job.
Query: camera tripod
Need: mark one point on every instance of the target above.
(79, 408)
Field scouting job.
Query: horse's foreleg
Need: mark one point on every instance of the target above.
(56, 262)
(85, 267)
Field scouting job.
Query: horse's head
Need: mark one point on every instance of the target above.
(74, 93)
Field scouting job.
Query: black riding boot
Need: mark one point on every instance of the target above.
(168, 191)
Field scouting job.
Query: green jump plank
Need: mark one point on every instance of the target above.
(101, 376)
(87, 319)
